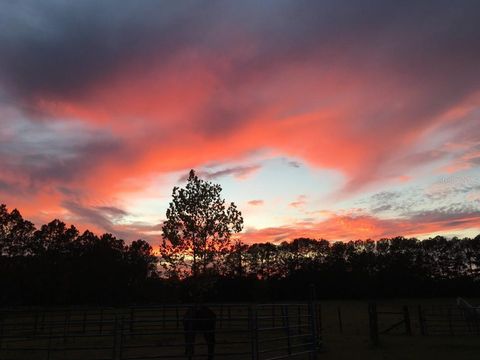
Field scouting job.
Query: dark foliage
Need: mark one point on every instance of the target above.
(56, 265)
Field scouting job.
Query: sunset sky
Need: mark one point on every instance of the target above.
(333, 119)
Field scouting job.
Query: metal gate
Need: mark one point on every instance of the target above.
(242, 331)
(449, 320)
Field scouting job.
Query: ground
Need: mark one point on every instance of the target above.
(149, 332)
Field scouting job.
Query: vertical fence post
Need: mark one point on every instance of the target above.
(450, 325)
(299, 319)
(122, 338)
(42, 321)
(2, 328)
(340, 323)
(319, 320)
(101, 321)
(421, 321)
(273, 315)
(373, 322)
(35, 326)
(177, 316)
(115, 339)
(84, 322)
(313, 328)
(287, 329)
(49, 346)
(406, 319)
(229, 312)
(221, 316)
(316, 319)
(66, 325)
(132, 321)
(476, 318)
(256, 332)
(164, 324)
(253, 326)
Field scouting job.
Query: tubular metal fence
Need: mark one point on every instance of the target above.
(448, 320)
(242, 331)
(432, 320)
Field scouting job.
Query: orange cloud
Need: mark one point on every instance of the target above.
(353, 227)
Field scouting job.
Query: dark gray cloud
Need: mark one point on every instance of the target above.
(292, 163)
(8, 187)
(442, 197)
(112, 211)
(59, 48)
(237, 171)
(107, 218)
(38, 153)
(452, 215)
(91, 215)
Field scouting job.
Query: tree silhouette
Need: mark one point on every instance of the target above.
(199, 225)
(16, 234)
(54, 264)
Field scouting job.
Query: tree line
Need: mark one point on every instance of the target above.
(55, 264)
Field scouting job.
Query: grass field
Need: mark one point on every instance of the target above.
(351, 340)
(157, 332)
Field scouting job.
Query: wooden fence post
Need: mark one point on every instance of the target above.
(115, 339)
(313, 329)
(253, 325)
(373, 322)
(319, 320)
(177, 315)
(66, 325)
(406, 319)
(122, 338)
(340, 323)
(2, 328)
(287, 329)
(164, 324)
(229, 312)
(221, 316)
(35, 326)
(316, 316)
(450, 325)
(132, 321)
(49, 346)
(101, 321)
(84, 322)
(299, 319)
(42, 321)
(273, 315)
(421, 321)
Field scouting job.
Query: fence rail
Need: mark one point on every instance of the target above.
(242, 331)
(448, 320)
(434, 320)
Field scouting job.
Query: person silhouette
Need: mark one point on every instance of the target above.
(199, 319)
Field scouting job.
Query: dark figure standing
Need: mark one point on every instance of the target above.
(199, 319)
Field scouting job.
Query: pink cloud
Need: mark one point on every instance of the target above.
(353, 227)
(256, 202)
(300, 202)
